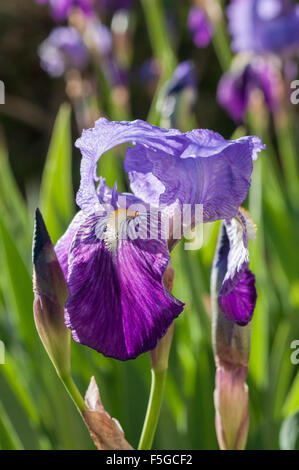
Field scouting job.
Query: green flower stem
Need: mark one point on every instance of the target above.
(73, 391)
(159, 361)
(287, 149)
(158, 35)
(162, 50)
(8, 432)
(220, 42)
(153, 409)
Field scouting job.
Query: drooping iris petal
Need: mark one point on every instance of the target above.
(236, 85)
(263, 25)
(63, 245)
(235, 282)
(232, 95)
(118, 304)
(211, 171)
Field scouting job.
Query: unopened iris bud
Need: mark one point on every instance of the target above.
(50, 295)
(233, 301)
(231, 350)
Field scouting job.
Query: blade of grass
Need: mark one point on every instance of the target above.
(56, 197)
(17, 290)
(292, 402)
(12, 204)
(9, 440)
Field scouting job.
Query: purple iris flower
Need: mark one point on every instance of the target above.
(63, 49)
(235, 283)
(263, 25)
(236, 85)
(200, 27)
(60, 9)
(118, 304)
(98, 37)
(183, 77)
(178, 96)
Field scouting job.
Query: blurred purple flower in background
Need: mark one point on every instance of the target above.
(183, 77)
(63, 49)
(236, 85)
(178, 96)
(148, 72)
(98, 37)
(263, 25)
(199, 26)
(60, 9)
(118, 303)
(109, 6)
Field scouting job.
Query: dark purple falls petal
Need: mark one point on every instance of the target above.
(238, 305)
(235, 282)
(63, 245)
(118, 304)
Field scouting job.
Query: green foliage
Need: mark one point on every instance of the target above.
(57, 197)
(35, 410)
(289, 433)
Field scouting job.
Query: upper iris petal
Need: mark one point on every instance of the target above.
(210, 171)
(167, 166)
(108, 134)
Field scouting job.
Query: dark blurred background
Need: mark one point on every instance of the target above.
(33, 98)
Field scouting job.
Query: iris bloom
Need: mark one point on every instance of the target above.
(237, 84)
(63, 49)
(263, 25)
(118, 304)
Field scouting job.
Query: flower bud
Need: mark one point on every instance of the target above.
(231, 340)
(231, 344)
(50, 295)
(231, 404)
